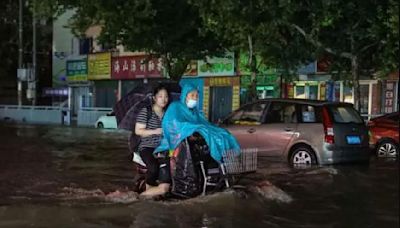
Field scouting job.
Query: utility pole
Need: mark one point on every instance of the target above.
(20, 50)
(34, 79)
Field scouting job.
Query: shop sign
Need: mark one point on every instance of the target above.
(269, 79)
(99, 66)
(219, 81)
(389, 96)
(133, 67)
(55, 92)
(77, 70)
(217, 66)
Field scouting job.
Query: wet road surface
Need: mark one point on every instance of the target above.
(54, 176)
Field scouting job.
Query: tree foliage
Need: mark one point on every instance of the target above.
(360, 36)
(172, 30)
(261, 29)
(9, 25)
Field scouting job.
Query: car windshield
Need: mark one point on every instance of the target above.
(345, 114)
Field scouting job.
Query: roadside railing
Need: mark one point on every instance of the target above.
(89, 116)
(32, 114)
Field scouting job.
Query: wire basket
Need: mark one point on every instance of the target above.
(244, 162)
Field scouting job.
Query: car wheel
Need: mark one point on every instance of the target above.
(100, 125)
(387, 148)
(303, 156)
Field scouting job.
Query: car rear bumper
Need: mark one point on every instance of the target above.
(334, 154)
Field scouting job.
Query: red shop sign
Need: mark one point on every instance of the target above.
(133, 67)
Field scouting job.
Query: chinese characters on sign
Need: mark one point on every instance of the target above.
(77, 70)
(99, 66)
(132, 67)
(389, 95)
(220, 81)
(217, 66)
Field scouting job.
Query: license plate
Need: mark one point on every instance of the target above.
(353, 139)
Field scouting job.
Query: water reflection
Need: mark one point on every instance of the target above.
(75, 177)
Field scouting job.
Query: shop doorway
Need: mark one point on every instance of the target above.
(221, 102)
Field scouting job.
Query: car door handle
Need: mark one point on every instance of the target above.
(288, 129)
(251, 130)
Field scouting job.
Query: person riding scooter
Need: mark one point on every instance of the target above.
(183, 119)
(148, 127)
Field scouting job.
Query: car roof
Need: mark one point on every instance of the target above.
(303, 101)
(388, 115)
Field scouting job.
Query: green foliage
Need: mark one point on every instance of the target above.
(262, 30)
(171, 30)
(9, 41)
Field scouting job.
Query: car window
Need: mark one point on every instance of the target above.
(280, 112)
(345, 114)
(249, 114)
(310, 114)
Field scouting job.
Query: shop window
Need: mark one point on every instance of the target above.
(347, 94)
(313, 92)
(364, 99)
(300, 92)
(85, 46)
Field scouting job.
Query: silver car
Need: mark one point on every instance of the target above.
(303, 132)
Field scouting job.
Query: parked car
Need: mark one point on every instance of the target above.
(302, 132)
(384, 135)
(106, 121)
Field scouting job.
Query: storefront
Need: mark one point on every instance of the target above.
(221, 96)
(313, 90)
(267, 86)
(217, 84)
(390, 91)
(130, 71)
(80, 89)
(268, 81)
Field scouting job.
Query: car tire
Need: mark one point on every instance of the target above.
(302, 156)
(100, 125)
(387, 148)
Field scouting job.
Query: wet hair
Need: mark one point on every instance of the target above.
(159, 88)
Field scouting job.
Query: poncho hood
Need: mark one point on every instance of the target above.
(180, 122)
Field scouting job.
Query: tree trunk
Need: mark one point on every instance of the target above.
(252, 90)
(176, 69)
(167, 65)
(253, 84)
(356, 82)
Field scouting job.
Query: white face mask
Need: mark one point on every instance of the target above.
(191, 103)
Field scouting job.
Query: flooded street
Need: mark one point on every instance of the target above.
(54, 176)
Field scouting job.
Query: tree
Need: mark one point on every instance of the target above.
(9, 48)
(360, 36)
(260, 29)
(170, 30)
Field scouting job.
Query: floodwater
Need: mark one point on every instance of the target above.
(54, 176)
